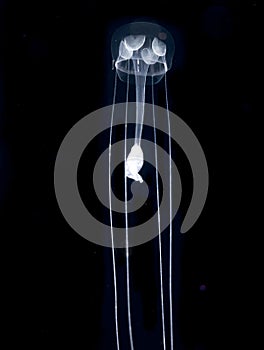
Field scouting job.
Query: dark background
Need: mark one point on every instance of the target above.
(55, 69)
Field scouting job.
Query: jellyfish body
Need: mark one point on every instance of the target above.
(144, 51)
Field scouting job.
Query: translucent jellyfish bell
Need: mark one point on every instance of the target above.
(148, 44)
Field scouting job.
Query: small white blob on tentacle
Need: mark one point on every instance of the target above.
(134, 163)
(134, 42)
(158, 47)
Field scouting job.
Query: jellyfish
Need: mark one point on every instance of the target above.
(142, 54)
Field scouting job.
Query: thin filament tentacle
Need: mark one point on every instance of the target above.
(159, 225)
(126, 223)
(170, 199)
(110, 213)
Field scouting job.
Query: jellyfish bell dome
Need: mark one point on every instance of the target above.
(142, 48)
